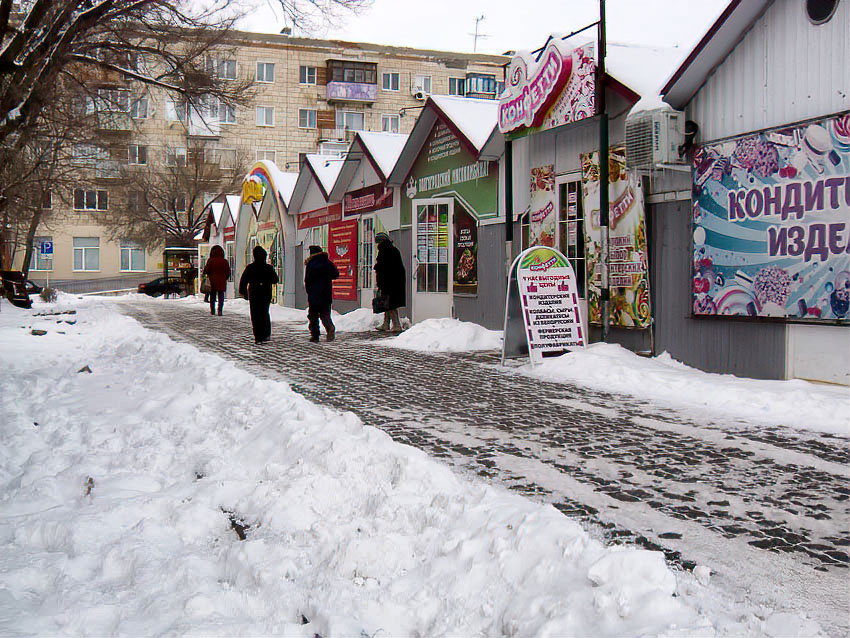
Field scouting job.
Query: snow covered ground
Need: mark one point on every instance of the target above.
(128, 463)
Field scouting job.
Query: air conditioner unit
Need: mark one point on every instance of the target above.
(420, 94)
(653, 138)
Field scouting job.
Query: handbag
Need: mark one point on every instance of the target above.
(205, 285)
(380, 302)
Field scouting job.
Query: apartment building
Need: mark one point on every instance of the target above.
(311, 96)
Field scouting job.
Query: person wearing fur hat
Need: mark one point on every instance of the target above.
(319, 273)
(256, 286)
(390, 278)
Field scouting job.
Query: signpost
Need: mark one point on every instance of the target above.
(542, 290)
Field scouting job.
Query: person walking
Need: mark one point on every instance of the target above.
(319, 273)
(217, 271)
(390, 278)
(255, 285)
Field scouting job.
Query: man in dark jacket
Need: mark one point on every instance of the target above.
(319, 272)
(256, 286)
(217, 270)
(390, 278)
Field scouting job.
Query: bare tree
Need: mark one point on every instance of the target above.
(308, 16)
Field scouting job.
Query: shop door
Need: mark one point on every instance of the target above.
(366, 261)
(432, 283)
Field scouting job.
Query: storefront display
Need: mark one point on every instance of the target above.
(465, 252)
(342, 250)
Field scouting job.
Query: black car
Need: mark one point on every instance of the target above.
(33, 288)
(162, 286)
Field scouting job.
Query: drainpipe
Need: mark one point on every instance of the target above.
(509, 204)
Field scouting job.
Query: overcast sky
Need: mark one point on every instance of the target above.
(508, 24)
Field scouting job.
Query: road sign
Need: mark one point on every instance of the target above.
(46, 248)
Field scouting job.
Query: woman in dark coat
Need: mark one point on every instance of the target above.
(217, 270)
(319, 273)
(256, 286)
(390, 278)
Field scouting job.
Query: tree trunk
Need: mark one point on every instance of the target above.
(34, 222)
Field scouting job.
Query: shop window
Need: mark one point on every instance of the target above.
(86, 253)
(366, 252)
(90, 199)
(230, 251)
(307, 75)
(389, 81)
(389, 123)
(570, 230)
(457, 86)
(40, 260)
(265, 72)
(306, 118)
(132, 257)
(265, 116)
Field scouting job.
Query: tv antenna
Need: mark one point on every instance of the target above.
(477, 35)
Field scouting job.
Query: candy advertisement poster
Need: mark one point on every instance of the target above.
(771, 224)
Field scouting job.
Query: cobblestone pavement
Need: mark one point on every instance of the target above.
(765, 507)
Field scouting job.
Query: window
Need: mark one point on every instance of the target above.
(88, 153)
(306, 118)
(227, 69)
(570, 231)
(422, 83)
(47, 199)
(138, 154)
(266, 155)
(481, 84)
(178, 204)
(132, 257)
(175, 157)
(139, 109)
(457, 86)
(345, 71)
(41, 260)
(113, 100)
(265, 71)
(90, 200)
(265, 116)
(226, 158)
(307, 75)
(389, 81)
(350, 120)
(86, 253)
(224, 112)
(389, 123)
(175, 109)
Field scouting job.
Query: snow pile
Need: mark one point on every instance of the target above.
(124, 485)
(612, 368)
(446, 335)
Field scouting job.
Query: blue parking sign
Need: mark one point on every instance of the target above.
(46, 248)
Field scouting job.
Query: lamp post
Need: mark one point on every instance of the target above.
(603, 172)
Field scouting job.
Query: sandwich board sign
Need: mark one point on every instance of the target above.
(542, 316)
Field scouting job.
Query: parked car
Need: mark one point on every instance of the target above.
(33, 288)
(162, 286)
(14, 288)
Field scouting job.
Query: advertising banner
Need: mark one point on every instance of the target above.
(342, 250)
(771, 224)
(551, 90)
(628, 263)
(366, 200)
(542, 214)
(465, 252)
(549, 303)
(320, 216)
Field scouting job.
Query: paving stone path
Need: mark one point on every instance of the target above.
(740, 498)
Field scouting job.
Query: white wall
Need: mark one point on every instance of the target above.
(819, 353)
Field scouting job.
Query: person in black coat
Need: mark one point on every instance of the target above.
(390, 278)
(319, 273)
(256, 286)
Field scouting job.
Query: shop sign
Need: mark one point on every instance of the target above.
(366, 200)
(628, 271)
(557, 88)
(771, 224)
(448, 177)
(544, 283)
(252, 190)
(320, 216)
(542, 213)
(342, 250)
(230, 233)
(465, 252)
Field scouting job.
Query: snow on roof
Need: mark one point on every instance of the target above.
(384, 148)
(284, 182)
(326, 169)
(475, 118)
(234, 205)
(217, 208)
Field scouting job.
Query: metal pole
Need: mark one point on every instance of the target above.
(509, 204)
(603, 171)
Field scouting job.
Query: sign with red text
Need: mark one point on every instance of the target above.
(771, 224)
(342, 250)
(556, 88)
(320, 216)
(542, 216)
(549, 302)
(366, 200)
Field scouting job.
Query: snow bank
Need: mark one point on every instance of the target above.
(446, 335)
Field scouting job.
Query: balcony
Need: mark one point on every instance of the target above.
(107, 169)
(351, 92)
(202, 127)
(336, 135)
(114, 121)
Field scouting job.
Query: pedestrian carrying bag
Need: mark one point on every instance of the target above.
(205, 285)
(380, 302)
